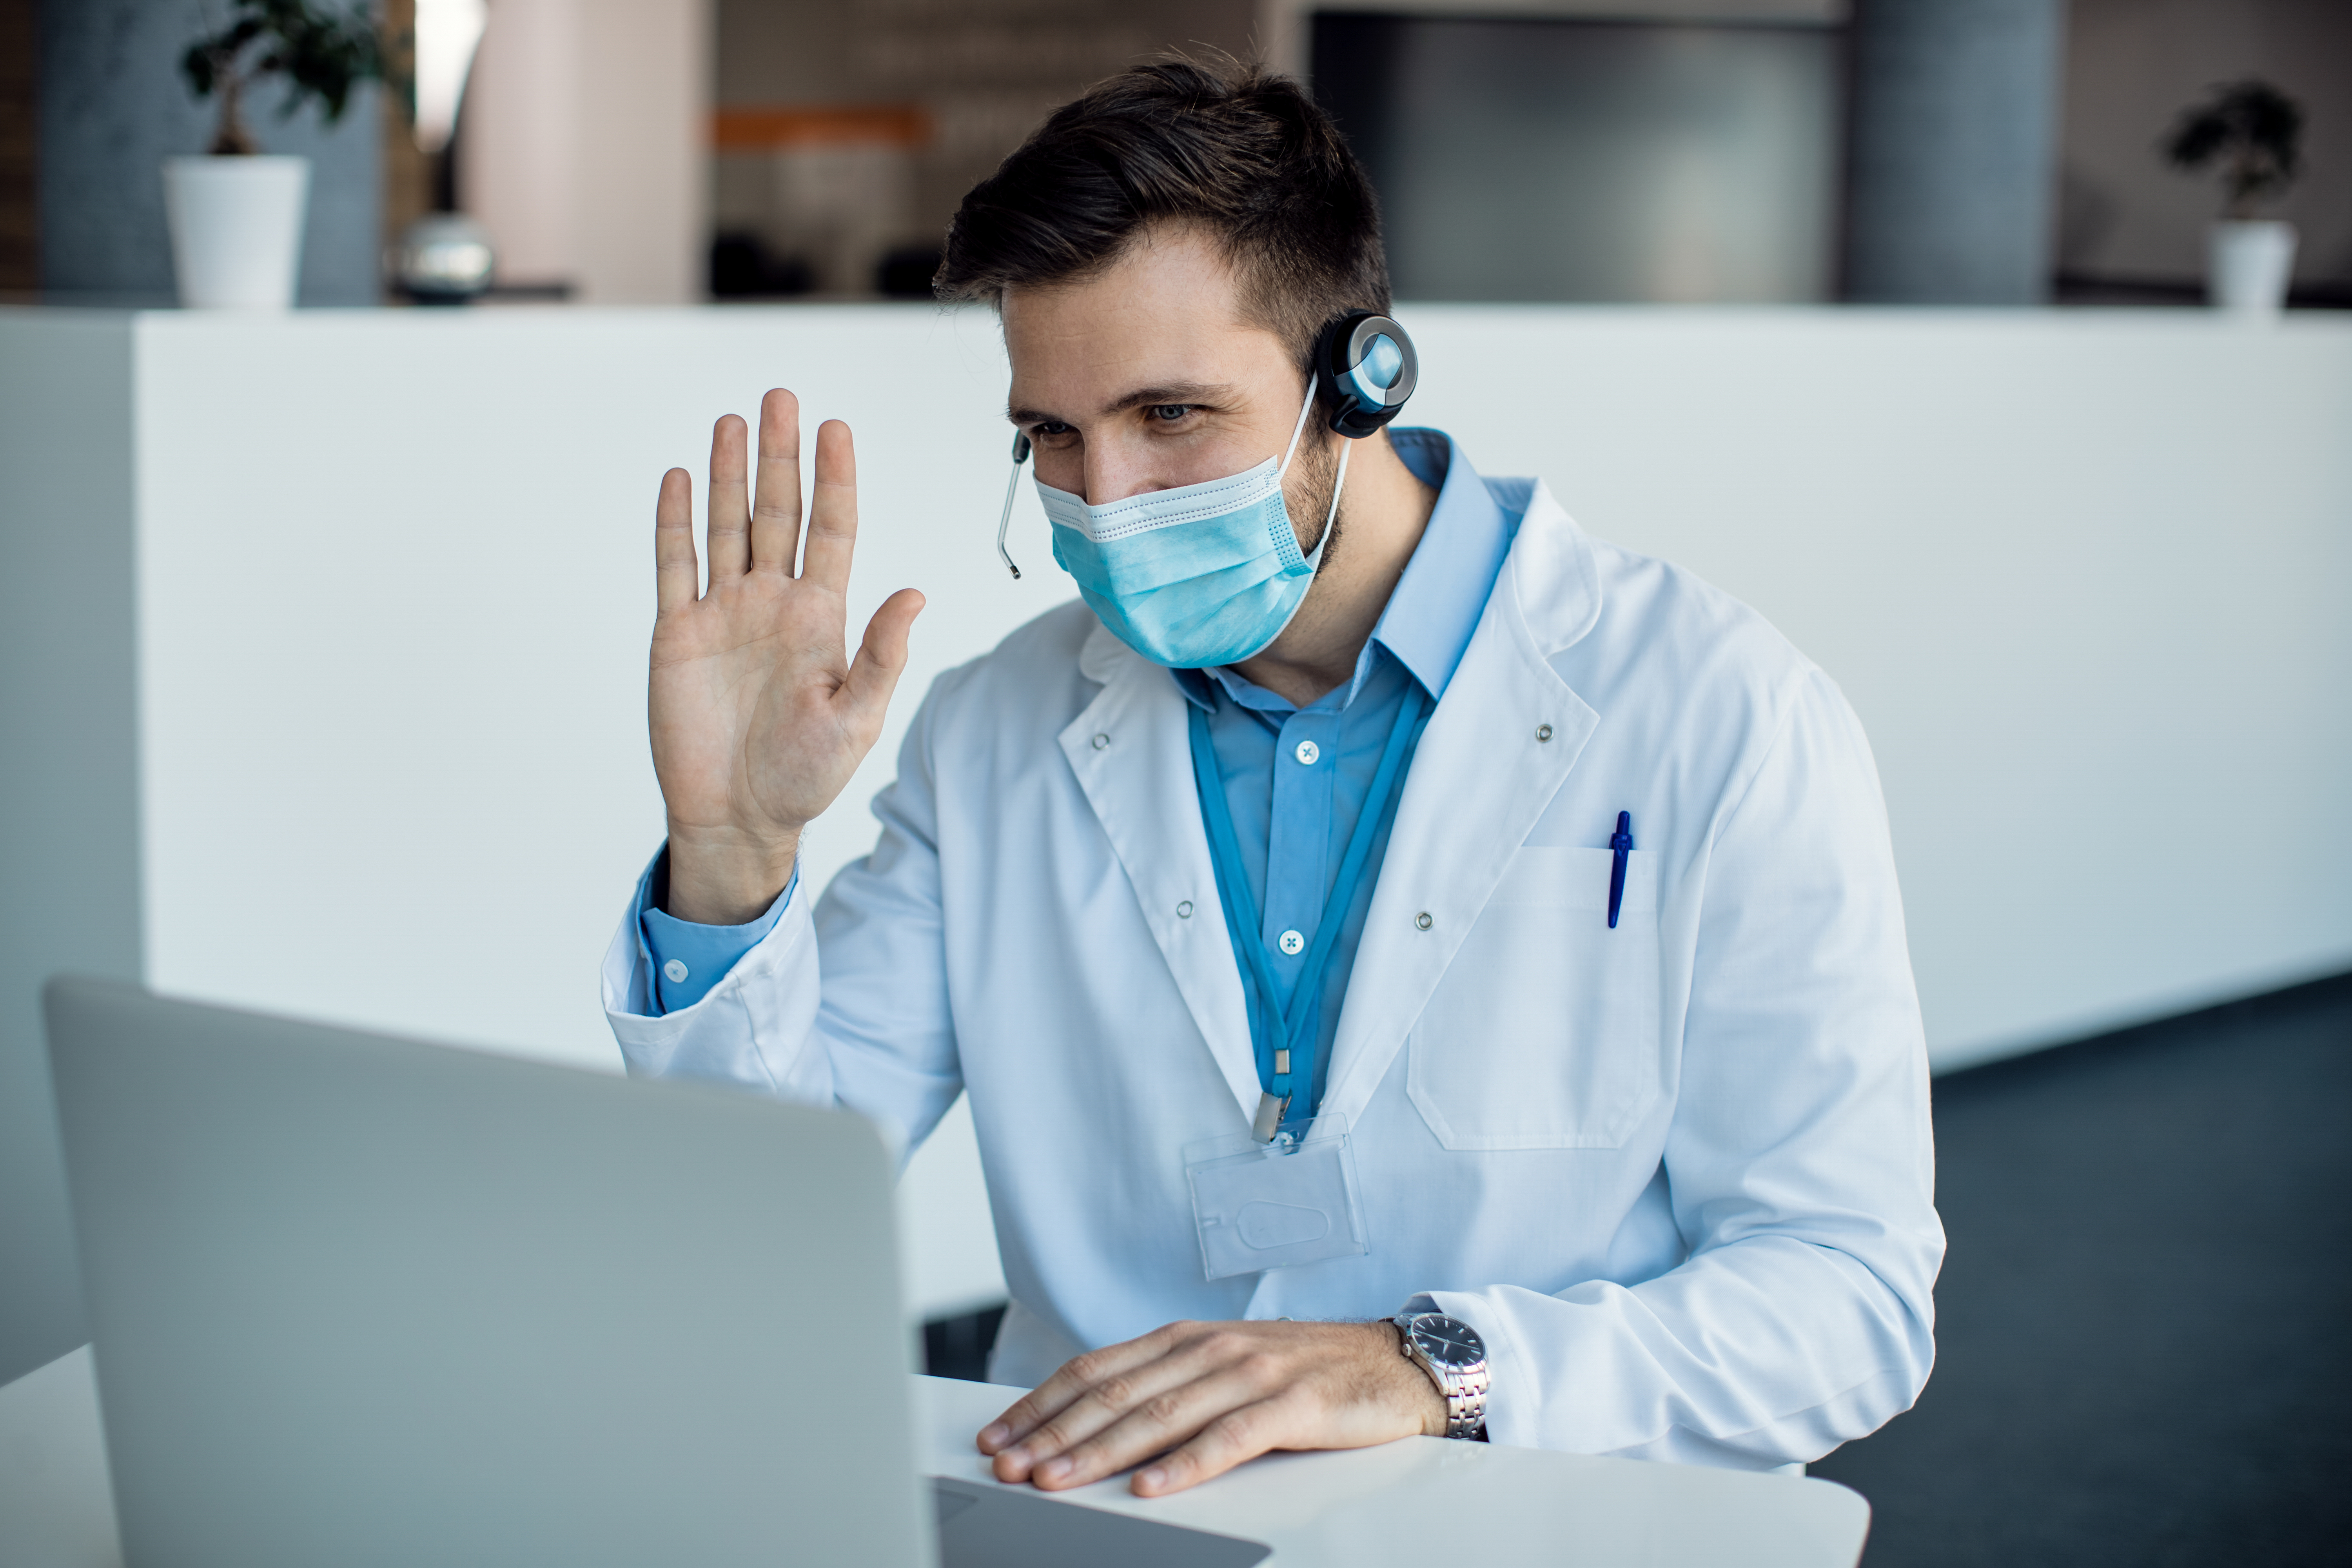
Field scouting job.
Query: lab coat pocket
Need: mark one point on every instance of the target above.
(1544, 1032)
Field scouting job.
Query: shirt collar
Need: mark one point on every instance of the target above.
(1427, 623)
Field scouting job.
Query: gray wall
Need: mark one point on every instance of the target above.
(68, 772)
(1554, 159)
(1954, 164)
(113, 107)
(2132, 66)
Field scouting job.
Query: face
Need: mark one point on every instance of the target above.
(1146, 376)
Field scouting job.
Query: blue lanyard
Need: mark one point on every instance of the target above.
(1285, 1042)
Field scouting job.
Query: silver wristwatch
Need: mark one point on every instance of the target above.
(1454, 1357)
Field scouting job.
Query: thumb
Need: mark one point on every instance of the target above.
(881, 658)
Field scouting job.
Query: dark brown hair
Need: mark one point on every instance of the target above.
(1240, 152)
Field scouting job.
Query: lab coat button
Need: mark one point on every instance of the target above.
(1308, 752)
(1184, 910)
(1543, 732)
(1100, 741)
(1292, 942)
(1422, 919)
(676, 971)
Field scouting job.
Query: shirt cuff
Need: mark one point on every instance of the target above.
(687, 960)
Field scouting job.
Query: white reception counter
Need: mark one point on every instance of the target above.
(324, 635)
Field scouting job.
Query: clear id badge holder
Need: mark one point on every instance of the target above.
(1275, 1206)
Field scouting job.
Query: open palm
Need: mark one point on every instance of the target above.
(759, 717)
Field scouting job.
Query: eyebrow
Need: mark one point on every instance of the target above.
(1142, 397)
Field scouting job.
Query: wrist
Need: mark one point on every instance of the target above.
(724, 877)
(1428, 1399)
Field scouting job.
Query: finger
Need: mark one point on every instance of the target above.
(1077, 1374)
(675, 578)
(832, 510)
(1230, 1438)
(730, 551)
(1160, 1395)
(776, 503)
(1154, 1423)
(882, 656)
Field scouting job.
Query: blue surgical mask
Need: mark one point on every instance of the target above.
(1202, 575)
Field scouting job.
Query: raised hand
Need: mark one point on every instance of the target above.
(758, 715)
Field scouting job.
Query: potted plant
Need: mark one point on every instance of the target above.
(236, 215)
(2254, 133)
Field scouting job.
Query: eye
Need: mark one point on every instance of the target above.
(1047, 430)
(1169, 413)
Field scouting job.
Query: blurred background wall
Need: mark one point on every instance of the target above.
(2130, 228)
(846, 132)
(1615, 160)
(581, 145)
(20, 260)
(112, 107)
(1925, 152)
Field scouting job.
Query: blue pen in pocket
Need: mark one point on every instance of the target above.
(1620, 841)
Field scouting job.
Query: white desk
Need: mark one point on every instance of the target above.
(1420, 1501)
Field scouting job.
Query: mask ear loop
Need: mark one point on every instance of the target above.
(1315, 556)
(1297, 430)
(1012, 483)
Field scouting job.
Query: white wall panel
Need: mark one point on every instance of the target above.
(2082, 575)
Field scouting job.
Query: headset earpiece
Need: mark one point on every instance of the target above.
(1365, 367)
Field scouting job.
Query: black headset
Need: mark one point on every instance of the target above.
(1365, 367)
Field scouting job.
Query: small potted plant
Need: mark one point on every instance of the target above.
(2254, 133)
(236, 215)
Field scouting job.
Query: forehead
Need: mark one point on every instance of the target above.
(1167, 310)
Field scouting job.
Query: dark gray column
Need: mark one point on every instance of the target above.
(112, 108)
(1955, 151)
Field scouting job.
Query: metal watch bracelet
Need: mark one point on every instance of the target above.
(1463, 1389)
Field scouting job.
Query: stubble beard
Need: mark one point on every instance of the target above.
(1318, 470)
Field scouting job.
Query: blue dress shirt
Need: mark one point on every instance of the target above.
(1295, 778)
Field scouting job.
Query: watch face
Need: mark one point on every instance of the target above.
(1446, 1340)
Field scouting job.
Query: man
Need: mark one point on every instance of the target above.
(1415, 968)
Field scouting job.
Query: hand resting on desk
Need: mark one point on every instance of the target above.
(1206, 1397)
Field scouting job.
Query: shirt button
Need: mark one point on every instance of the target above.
(676, 971)
(1422, 919)
(1292, 942)
(1543, 732)
(1100, 741)
(1307, 753)
(1184, 910)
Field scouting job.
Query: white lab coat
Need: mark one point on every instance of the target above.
(1677, 1175)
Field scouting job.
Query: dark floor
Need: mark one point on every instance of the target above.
(2144, 1324)
(958, 1347)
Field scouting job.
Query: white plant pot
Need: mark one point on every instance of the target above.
(236, 229)
(2248, 265)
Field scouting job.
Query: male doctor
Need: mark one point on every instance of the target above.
(1415, 968)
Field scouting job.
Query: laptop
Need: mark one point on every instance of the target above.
(360, 1300)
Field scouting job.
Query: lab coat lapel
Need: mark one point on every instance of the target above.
(1496, 751)
(1138, 779)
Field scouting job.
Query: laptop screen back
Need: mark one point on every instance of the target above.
(364, 1301)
